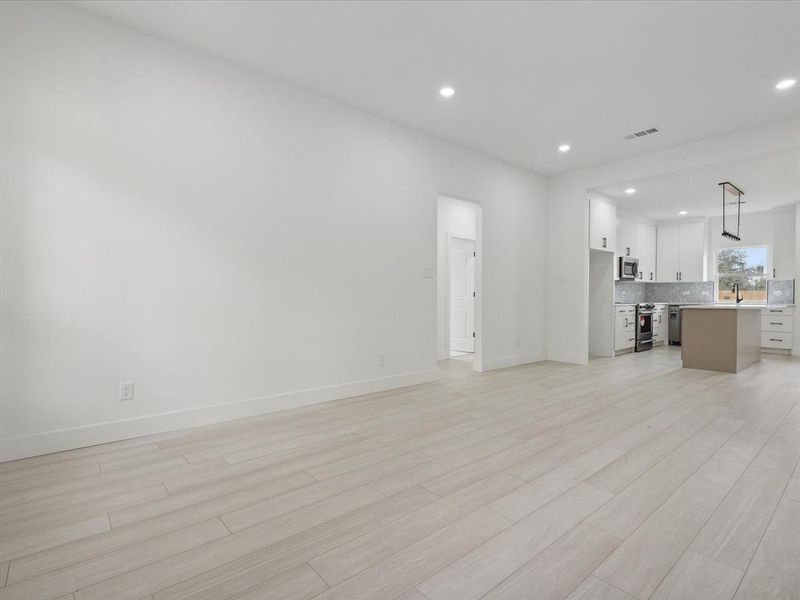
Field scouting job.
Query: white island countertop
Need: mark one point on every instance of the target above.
(726, 306)
(738, 306)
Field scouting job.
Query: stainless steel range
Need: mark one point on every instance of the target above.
(644, 326)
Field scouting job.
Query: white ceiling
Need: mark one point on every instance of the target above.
(528, 75)
(768, 181)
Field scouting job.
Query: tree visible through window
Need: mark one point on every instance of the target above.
(748, 268)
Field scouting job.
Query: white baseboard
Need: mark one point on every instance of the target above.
(576, 358)
(511, 361)
(112, 431)
(442, 355)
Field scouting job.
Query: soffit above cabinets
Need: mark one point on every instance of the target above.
(769, 181)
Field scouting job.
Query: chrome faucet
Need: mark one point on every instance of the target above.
(735, 289)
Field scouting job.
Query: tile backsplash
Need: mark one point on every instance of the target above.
(780, 291)
(631, 292)
(680, 292)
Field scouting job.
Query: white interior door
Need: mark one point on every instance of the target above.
(462, 298)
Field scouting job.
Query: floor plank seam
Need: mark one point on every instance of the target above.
(225, 525)
(764, 532)
(608, 583)
(310, 566)
(487, 407)
(711, 514)
(556, 541)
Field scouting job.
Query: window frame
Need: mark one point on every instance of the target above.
(717, 273)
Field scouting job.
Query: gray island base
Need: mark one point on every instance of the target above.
(720, 338)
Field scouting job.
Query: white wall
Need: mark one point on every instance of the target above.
(231, 244)
(568, 222)
(601, 303)
(456, 218)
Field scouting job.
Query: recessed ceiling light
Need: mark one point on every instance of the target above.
(447, 92)
(785, 84)
(563, 148)
(683, 212)
(630, 191)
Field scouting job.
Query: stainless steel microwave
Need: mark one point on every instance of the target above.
(628, 267)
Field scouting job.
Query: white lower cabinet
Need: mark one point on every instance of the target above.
(624, 327)
(777, 328)
(660, 324)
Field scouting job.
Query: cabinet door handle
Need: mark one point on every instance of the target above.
(676, 276)
(773, 273)
(627, 251)
(626, 321)
(778, 323)
(603, 243)
(651, 276)
(775, 339)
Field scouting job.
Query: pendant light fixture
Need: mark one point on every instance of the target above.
(728, 189)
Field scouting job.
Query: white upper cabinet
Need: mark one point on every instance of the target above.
(692, 244)
(637, 239)
(668, 253)
(646, 251)
(602, 224)
(627, 237)
(783, 237)
(680, 252)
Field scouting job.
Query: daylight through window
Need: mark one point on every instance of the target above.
(748, 268)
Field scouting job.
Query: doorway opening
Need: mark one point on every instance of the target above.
(458, 283)
(462, 297)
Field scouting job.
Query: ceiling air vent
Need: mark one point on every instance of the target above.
(642, 133)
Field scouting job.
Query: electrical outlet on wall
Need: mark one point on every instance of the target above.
(381, 359)
(126, 390)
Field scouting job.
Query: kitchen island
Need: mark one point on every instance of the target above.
(720, 338)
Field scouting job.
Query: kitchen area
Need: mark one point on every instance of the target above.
(714, 278)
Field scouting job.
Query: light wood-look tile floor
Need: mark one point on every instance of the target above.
(626, 478)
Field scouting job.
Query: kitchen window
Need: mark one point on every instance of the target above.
(748, 268)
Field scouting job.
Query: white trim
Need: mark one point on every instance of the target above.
(511, 361)
(741, 246)
(477, 361)
(573, 358)
(112, 431)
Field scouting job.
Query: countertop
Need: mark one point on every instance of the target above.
(723, 307)
(709, 305)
